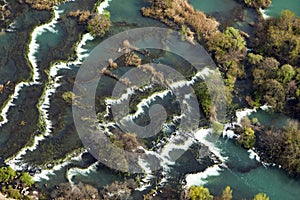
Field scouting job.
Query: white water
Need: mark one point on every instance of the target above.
(166, 147)
(263, 13)
(201, 177)
(33, 49)
(76, 171)
(201, 135)
(34, 46)
(81, 54)
(44, 104)
(103, 5)
(145, 103)
(44, 175)
(53, 84)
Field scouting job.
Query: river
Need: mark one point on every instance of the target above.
(56, 149)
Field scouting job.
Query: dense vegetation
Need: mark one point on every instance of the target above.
(42, 4)
(281, 146)
(258, 3)
(275, 63)
(14, 184)
(202, 193)
(99, 24)
(228, 47)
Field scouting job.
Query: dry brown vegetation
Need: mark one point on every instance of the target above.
(132, 59)
(118, 190)
(43, 4)
(98, 25)
(81, 191)
(82, 16)
(180, 13)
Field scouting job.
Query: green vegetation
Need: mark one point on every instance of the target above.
(199, 193)
(274, 63)
(202, 193)
(279, 38)
(7, 174)
(217, 127)
(26, 179)
(14, 184)
(273, 84)
(261, 196)
(99, 25)
(229, 51)
(68, 97)
(203, 96)
(228, 47)
(286, 73)
(258, 3)
(291, 153)
(13, 193)
(247, 138)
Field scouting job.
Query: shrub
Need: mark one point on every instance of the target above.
(261, 196)
(199, 193)
(247, 139)
(7, 174)
(99, 25)
(227, 194)
(26, 179)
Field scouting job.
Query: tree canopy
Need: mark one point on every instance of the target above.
(279, 37)
(99, 24)
(199, 193)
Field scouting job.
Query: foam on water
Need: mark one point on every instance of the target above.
(76, 171)
(263, 13)
(53, 84)
(253, 155)
(34, 46)
(103, 5)
(45, 173)
(44, 104)
(201, 135)
(201, 177)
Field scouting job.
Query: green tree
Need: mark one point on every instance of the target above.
(68, 96)
(261, 196)
(279, 38)
(7, 174)
(255, 59)
(13, 193)
(286, 73)
(229, 48)
(227, 194)
(247, 138)
(199, 193)
(204, 98)
(274, 94)
(26, 179)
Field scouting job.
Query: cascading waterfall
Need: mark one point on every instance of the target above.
(45, 173)
(53, 83)
(165, 147)
(76, 171)
(200, 178)
(33, 49)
